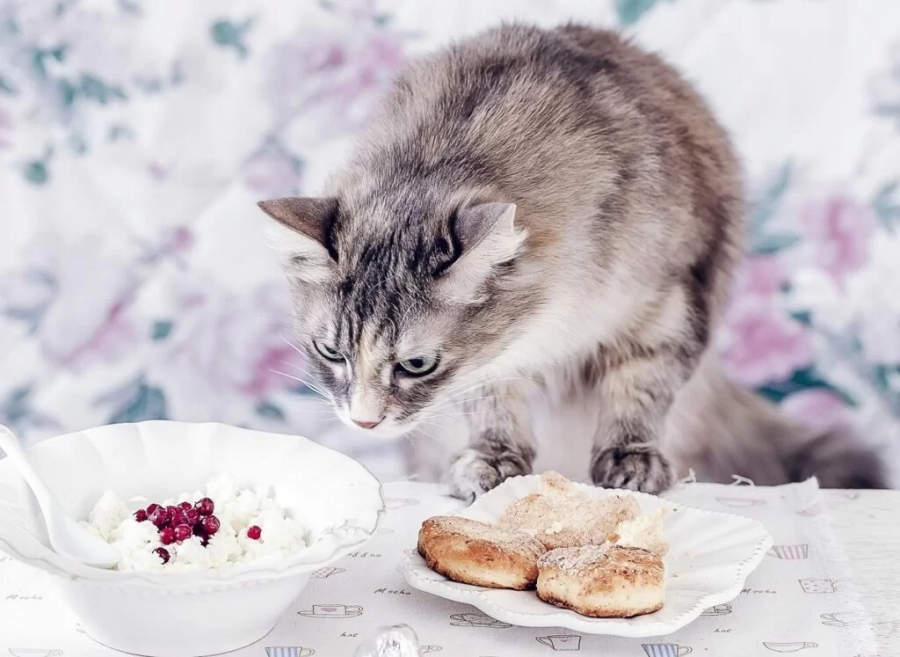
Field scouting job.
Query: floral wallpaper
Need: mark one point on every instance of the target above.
(136, 136)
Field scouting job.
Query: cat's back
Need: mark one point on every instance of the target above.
(529, 97)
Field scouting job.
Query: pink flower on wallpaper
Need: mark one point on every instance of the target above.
(836, 234)
(759, 276)
(225, 345)
(272, 172)
(762, 344)
(816, 407)
(78, 295)
(334, 75)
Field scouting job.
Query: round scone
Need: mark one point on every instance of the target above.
(603, 581)
(476, 553)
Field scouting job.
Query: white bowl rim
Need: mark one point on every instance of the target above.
(233, 574)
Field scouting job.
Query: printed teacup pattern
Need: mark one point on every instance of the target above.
(790, 552)
(561, 642)
(332, 611)
(477, 619)
(794, 646)
(816, 585)
(289, 651)
(718, 610)
(666, 650)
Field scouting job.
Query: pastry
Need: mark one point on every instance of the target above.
(562, 516)
(602, 581)
(476, 553)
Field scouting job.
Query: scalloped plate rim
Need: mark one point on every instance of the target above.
(556, 617)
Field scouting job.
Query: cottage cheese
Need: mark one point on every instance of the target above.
(113, 520)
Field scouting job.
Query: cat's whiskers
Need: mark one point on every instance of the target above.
(306, 383)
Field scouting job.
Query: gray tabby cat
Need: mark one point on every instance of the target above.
(555, 207)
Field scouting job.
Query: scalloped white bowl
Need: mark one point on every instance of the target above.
(196, 613)
(710, 556)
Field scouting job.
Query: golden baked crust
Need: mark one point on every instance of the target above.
(602, 581)
(476, 553)
(561, 516)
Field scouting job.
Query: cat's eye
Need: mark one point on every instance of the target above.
(328, 352)
(420, 365)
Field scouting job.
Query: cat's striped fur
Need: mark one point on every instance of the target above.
(557, 207)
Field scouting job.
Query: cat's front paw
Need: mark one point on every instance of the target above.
(636, 467)
(473, 472)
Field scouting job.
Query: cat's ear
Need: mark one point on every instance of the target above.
(304, 234)
(488, 237)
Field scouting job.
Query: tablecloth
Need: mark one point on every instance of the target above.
(798, 601)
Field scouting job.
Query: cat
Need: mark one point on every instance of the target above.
(551, 208)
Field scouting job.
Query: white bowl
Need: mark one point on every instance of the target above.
(195, 613)
(710, 557)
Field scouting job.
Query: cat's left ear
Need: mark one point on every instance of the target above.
(488, 237)
(308, 242)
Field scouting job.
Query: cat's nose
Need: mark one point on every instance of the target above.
(366, 424)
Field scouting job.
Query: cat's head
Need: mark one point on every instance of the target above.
(399, 315)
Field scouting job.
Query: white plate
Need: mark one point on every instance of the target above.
(710, 556)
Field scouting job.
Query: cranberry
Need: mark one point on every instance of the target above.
(192, 516)
(159, 517)
(210, 525)
(254, 532)
(182, 532)
(184, 506)
(140, 515)
(201, 534)
(205, 507)
(178, 518)
(166, 535)
(163, 554)
(170, 512)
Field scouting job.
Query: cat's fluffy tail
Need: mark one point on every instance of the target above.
(719, 429)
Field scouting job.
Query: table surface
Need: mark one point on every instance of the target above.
(867, 523)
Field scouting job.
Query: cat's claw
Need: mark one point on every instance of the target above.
(474, 473)
(635, 467)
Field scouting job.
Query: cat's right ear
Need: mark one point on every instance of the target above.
(303, 234)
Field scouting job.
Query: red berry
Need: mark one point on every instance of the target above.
(254, 532)
(184, 506)
(192, 516)
(210, 525)
(205, 507)
(163, 554)
(178, 518)
(170, 512)
(159, 517)
(166, 535)
(140, 515)
(150, 509)
(182, 532)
